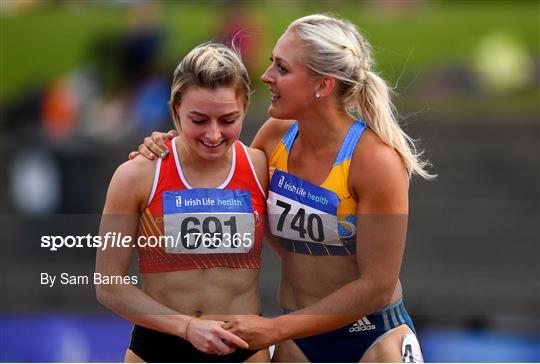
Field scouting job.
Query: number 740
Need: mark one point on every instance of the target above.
(300, 224)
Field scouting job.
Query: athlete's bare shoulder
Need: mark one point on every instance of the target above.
(257, 156)
(269, 134)
(388, 179)
(138, 168)
(132, 182)
(371, 146)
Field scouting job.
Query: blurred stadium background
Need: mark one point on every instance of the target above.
(82, 82)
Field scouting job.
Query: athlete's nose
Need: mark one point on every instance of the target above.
(213, 133)
(265, 77)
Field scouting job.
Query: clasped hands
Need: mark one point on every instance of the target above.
(257, 331)
(242, 331)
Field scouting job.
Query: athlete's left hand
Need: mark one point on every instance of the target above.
(257, 331)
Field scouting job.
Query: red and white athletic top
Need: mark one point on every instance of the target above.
(169, 177)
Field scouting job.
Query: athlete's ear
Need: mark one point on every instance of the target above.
(326, 86)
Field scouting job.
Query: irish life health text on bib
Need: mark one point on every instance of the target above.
(208, 220)
(299, 210)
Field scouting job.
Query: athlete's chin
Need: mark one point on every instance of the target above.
(278, 113)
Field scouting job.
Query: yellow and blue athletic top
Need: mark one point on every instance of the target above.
(312, 219)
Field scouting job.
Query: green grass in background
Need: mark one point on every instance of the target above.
(428, 33)
(40, 45)
(45, 42)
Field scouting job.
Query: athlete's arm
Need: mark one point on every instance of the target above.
(259, 160)
(269, 135)
(382, 223)
(127, 194)
(154, 145)
(266, 140)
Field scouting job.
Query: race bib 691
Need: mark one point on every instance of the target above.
(300, 210)
(208, 220)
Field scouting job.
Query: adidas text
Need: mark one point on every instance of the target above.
(357, 327)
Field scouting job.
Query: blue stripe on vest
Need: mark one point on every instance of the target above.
(351, 139)
(290, 135)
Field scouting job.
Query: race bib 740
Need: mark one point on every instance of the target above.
(300, 210)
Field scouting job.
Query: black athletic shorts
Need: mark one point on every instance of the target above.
(159, 347)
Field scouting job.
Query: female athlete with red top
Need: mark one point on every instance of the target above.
(209, 200)
(338, 201)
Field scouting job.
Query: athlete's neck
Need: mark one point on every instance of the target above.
(324, 128)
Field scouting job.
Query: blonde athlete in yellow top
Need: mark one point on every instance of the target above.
(338, 201)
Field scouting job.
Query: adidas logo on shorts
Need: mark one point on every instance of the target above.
(361, 325)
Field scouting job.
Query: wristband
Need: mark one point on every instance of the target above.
(187, 328)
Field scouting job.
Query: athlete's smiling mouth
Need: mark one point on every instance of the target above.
(212, 145)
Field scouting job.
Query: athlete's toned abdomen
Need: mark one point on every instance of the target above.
(214, 291)
(306, 279)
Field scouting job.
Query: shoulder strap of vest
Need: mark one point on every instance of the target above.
(350, 141)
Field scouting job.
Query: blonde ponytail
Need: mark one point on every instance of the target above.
(335, 47)
(372, 101)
